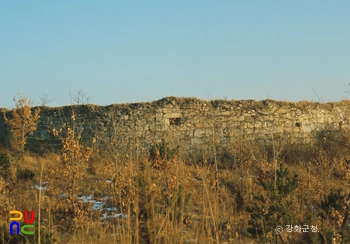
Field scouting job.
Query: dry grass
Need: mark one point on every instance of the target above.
(163, 199)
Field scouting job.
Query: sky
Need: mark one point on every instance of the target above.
(139, 51)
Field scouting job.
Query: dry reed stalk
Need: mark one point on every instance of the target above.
(39, 208)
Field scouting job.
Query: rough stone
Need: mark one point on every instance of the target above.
(193, 118)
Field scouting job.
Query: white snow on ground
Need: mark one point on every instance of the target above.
(114, 215)
(112, 209)
(43, 186)
(97, 204)
(100, 205)
(85, 198)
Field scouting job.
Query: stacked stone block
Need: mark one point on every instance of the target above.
(192, 123)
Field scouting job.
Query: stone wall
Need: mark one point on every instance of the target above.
(190, 123)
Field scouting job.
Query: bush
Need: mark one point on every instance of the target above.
(25, 174)
(163, 152)
(4, 162)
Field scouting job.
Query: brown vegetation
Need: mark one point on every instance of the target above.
(22, 123)
(237, 194)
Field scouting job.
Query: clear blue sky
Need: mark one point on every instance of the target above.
(134, 51)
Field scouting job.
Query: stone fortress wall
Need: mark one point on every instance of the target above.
(190, 123)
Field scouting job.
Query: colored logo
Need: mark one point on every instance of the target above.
(28, 220)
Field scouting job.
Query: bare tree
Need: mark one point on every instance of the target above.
(80, 97)
(44, 99)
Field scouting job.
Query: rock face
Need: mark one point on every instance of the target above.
(190, 123)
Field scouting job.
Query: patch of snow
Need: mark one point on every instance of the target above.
(43, 186)
(98, 205)
(114, 215)
(86, 198)
(112, 209)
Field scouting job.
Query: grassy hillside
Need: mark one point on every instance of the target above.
(156, 195)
